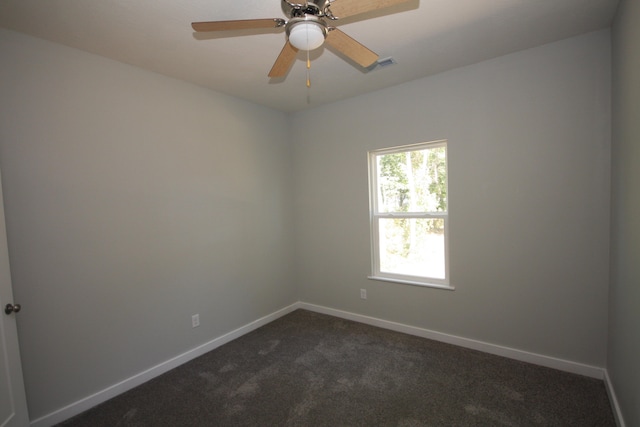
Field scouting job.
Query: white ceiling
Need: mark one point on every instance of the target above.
(425, 37)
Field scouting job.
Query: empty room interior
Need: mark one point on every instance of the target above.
(163, 197)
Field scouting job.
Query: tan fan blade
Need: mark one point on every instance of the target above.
(351, 48)
(344, 8)
(243, 24)
(285, 60)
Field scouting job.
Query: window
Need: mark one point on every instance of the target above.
(409, 214)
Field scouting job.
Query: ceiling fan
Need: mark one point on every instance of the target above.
(308, 29)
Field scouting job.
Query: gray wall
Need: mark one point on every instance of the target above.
(132, 202)
(624, 310)
(529, 165)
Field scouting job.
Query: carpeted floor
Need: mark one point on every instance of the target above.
(309, 369)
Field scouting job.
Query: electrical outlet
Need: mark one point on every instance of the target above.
(195, 320)
(363, 293)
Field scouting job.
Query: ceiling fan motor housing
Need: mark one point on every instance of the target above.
(311, 7)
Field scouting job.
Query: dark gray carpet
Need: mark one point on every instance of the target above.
(308, 369)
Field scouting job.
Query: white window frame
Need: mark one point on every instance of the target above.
(375, 215)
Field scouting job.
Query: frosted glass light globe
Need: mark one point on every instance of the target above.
(306, 35)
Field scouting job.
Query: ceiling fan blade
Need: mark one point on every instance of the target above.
(351, 48)
(344, 8)
(285, 60)
(243, 24)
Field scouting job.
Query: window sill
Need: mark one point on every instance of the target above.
(413, 283)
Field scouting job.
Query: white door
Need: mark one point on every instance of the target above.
(13, 404)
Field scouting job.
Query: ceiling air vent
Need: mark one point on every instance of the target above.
(382, 63)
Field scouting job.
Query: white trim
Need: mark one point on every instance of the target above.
(511, 353)
(411, 147)
(615, 406)
(412, 282)
(142, 377)
(375, 216)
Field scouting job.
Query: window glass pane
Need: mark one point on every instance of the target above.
(412, 246)
(412, 181)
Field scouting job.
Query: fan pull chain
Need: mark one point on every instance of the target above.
(308, 63)
(308, 70)
(308, 79)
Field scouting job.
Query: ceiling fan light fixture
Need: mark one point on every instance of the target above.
(307, 35)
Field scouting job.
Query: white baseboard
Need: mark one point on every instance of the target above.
(138, 379)
(614, 400)
(523, 356)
